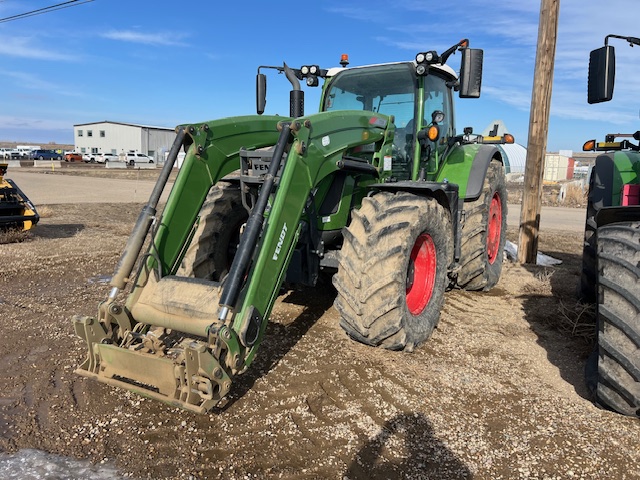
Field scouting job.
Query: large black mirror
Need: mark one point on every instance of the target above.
(471, 72)
(261, 93)
(602, 68)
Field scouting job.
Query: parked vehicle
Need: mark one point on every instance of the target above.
(9, 154)
(107, 157)
(16, 210)
(89, 157)
(72, 157)
(46, 155)
(25, 150)
(611, 253)
(136, 157)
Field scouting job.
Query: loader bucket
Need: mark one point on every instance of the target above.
(16, 210)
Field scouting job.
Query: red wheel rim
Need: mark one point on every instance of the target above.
(421, 274)
(494, 228)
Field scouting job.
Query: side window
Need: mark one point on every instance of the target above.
(438, 97)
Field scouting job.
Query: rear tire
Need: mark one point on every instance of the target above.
(216, 239)
(618, 315)
(588, 275)
(393, 270)
(484, 233)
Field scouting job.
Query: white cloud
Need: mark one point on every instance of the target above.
(23, 47)
(155, 39)
(36, 82)
(29, 123)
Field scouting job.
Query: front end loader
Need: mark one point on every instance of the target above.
(16, 210)
(611, 253)
(376, 189)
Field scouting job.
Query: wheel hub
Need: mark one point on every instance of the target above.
(421, 274)
(494, 229)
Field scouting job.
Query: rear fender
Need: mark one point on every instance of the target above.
(608, 215)
(479, 170)
(466, 166)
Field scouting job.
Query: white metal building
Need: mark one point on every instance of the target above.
(515, 157)
(116, 137)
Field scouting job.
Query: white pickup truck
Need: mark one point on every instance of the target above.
(9, 154)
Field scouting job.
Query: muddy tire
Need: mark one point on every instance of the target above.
(587, 292)
(216, 239)
(588, 274)
(618, 315)
(393, 270)
(484, 233)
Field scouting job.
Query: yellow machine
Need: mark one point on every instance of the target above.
(16, 210)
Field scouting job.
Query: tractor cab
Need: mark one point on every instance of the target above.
(415, 103)
(417, 95)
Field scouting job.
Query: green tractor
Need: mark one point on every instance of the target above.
(377, 190)
(611, 254)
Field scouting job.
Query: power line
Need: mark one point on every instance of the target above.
(40, 11)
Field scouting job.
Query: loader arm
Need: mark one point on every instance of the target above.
(135, 346)
(320, 142)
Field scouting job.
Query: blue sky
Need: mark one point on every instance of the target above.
(164, 63)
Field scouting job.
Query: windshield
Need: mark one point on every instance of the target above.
(387, 89)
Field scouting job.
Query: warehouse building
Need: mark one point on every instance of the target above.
(116, 137)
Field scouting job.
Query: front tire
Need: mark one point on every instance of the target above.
(484, 233)
(393, 270)
(618, 317)
(216, 239)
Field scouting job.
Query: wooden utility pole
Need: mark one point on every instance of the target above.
(538, 129)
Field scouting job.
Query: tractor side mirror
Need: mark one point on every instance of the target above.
(261, 93)
(471, 72)
(602, 69)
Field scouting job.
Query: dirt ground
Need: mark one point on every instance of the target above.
(496, 393)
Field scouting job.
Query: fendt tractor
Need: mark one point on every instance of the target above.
(611, 254)
(16, 210)
(377, 189)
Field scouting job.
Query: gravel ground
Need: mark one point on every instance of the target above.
(497, 391)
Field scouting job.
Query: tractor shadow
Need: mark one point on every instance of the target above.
(423, 455)
(565, 327)
(280, 338)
